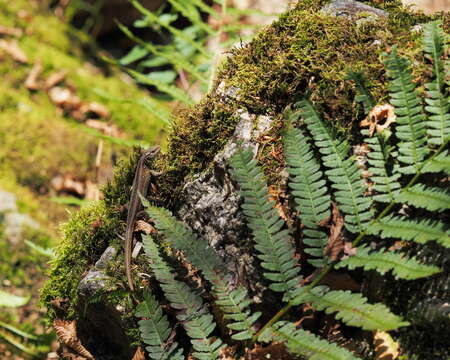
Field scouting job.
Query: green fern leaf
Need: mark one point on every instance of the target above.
(426, 197)
(439, 163)
(196, 319)
(343, 172)
(310, 192)
(410, 129)
(353, 309)
(382, 262)
(385, 184)
(275, 250)
(305, 343)
(155, 330)
(364, 95)
(438, 106)
(189, 11)
(420, 231)
(234, 303)
(10, 300)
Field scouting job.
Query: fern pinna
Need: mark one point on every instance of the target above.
(323, 174)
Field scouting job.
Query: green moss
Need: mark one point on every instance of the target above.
(85, 237)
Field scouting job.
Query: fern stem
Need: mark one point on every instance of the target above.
(358, 239)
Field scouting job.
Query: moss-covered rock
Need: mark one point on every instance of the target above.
(305, 52)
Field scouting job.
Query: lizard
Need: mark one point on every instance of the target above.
(141, 182)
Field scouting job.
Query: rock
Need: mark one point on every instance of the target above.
(7, 202)
(349, 8)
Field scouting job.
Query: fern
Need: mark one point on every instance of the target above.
(438, 106)
(382, 262)
(305, 343)
(342, 170)
(352, 309)
(439, 163)
(364, 96)
(408, 109)
(196, 320)
(420, 231)
(275, 250)
(385, 184)
(426, 197)
(234, 303)
(310, 192)
(155, 330)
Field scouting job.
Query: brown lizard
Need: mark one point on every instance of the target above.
(141, 183)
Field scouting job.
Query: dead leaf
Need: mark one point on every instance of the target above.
(64, 98)
(385, 347)
(10, 31)
(67, 334)
(336, 242)
(145, 227)
(139, 354)
(31, 83)
(105, 128)
(273, 351)
(12, 48)
(55, 78)
(67, 183)
(98, 109)
(377, 115)
(92, 191)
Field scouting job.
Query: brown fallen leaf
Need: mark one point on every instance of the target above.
(10, 31)
(12, 48)
(31, 83)
(139, 354)
(98, 109)
(336, 242)
(144, 227)
(55, 78)
(380, 113)
(386, 348)
(67, 334)
(92, 191)
(105, 128)
(64, 98)
(67, 183)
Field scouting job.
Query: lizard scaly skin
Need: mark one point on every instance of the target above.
(141, 183)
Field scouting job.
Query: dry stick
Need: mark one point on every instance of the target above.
(358, 239)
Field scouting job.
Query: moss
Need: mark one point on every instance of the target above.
(85, 237)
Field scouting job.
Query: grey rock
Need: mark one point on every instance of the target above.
(96, 279)
(15, 224)
(7, 202)
(349, 8)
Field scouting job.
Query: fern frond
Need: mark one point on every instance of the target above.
(363, 95)
(195, 318)
(401, 266)
(420, 231)
(343, 171)
(439, 163)
(234, 303)
(425, 197)
(174, 31)
(352, 308)
(410, 129)
(385, 184)
(155, 330)
(189, 11)
(305, 343)
(310, 192)
(275, 249)
(438, 123)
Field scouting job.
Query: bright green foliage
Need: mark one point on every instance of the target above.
(10, 300)
(353, 309)
(426, 197)
(439, 163)
(438, 122)
(310, 192)
(155, 330)
(401, 266)
(233, 302)
(364, 97)
(385, 184)
(420, 231)
(307, 344)
(192, 313)
(411, 128)
(276, 252)
(342, 170)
